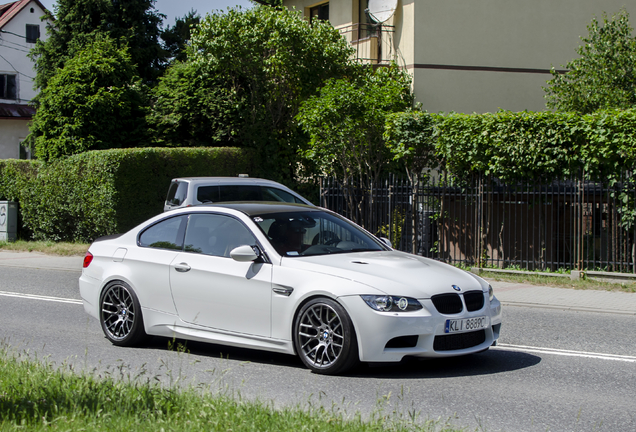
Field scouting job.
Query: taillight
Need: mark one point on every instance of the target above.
(87, 259)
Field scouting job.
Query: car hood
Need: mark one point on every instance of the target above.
(393, 272)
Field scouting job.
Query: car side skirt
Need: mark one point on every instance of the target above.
(159, 323)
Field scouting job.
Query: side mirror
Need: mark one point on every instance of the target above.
(387, 242)
(244, 253)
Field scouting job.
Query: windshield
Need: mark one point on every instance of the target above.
(302, 233)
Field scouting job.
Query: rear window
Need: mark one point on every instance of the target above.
(177, 193)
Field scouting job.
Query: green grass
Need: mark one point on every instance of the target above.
(35, 396)
(582, 284)
(47, 247)
(558, 282)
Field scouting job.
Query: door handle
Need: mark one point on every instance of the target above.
(182, 267)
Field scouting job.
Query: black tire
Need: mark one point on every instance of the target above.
(120, 315)
(324, 337)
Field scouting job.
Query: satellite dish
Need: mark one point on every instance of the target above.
(381, 10)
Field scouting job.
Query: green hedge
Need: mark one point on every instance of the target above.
(97, 193)
(15, 177)
(524, 145)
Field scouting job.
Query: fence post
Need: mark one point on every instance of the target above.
(414, 213)
(480, 220)
(579, 223)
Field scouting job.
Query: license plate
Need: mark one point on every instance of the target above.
(466, 324)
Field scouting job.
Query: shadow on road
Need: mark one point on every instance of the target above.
(485, 363)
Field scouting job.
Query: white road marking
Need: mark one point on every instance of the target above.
(39, 297)
(499, 346)
(570, 353)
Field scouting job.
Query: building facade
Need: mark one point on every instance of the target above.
(21, 26)
(466, 55)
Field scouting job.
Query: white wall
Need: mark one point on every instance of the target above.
(14, 49)
(12, 132)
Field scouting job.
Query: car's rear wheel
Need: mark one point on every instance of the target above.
(120, 315)
(324, 337)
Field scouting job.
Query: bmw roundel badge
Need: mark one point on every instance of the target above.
(456, 288)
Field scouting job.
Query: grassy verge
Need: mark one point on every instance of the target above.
(47, 247)
(585, 284)
(36, 396)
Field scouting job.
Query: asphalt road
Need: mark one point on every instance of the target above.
(552, 371)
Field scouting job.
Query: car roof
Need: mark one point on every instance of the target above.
(262, 207)
(230, 181)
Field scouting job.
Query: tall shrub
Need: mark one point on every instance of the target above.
(97, 193)
(94, 102)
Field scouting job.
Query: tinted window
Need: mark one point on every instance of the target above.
(208, 194)
(167, 234)
(239, 193)
(177, 193)
(274, 194)
(217, 235)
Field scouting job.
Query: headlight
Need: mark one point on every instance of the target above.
(385, 303)
(491, 292)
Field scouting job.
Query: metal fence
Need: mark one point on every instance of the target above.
(568, 224)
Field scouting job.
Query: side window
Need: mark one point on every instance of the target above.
(275, 194)
(208, 194)
(320, 12)
(25, 151)
(239, 193)
(216, 235)
(32, 33)
(167, 234)
(8, 87)
(177, 193)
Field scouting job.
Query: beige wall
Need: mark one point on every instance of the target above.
(476, 91)
(506, 33)
(482, 55)
(510, 36)
(11, 133)
(341, 12)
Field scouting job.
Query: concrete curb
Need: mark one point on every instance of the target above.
(37, 260)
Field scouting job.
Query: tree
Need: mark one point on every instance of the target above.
(604, 76)
(134, 23)
(346, 123)
(246, 73)
(175, 38)
(94, 102)
(410, 138)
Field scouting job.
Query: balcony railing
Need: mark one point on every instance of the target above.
(373, 42)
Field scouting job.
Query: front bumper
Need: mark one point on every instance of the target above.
(389, 337)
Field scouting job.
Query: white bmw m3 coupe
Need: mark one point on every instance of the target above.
(288, 278)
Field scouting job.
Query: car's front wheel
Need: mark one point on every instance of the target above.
(120, 315)
(324, 337)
